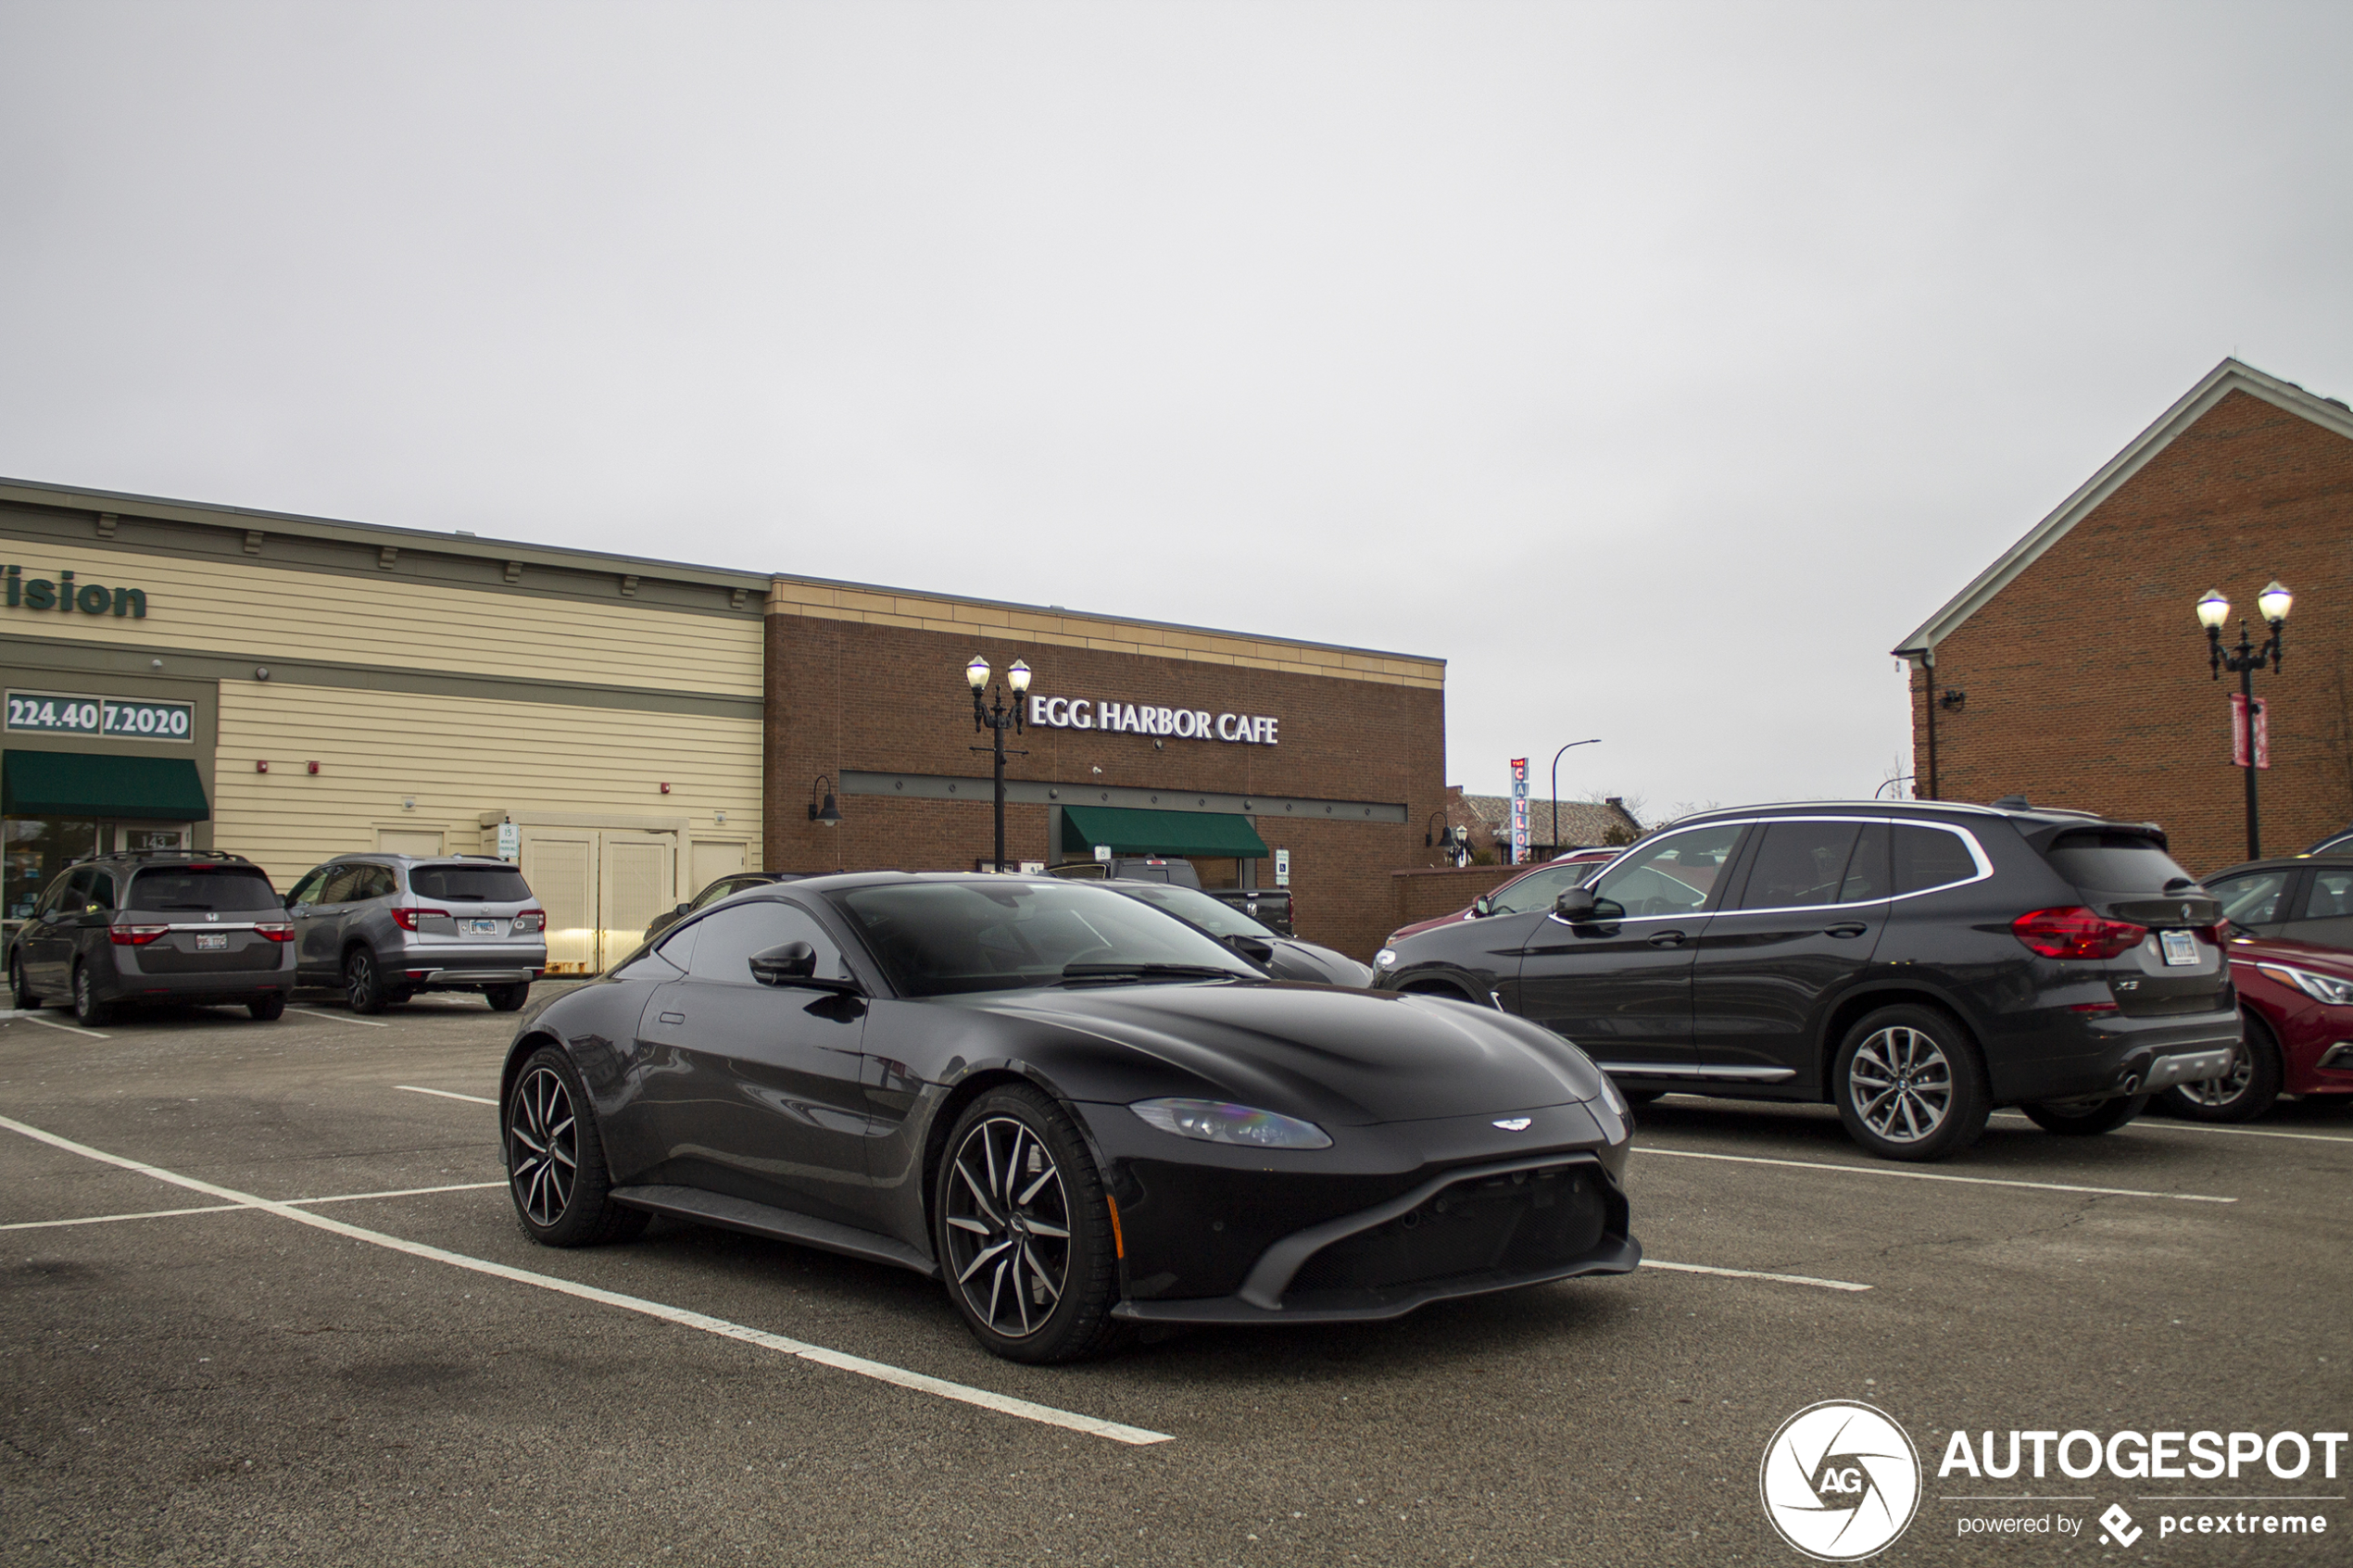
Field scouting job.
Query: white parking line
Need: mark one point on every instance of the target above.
(445, 1094)
(32, 1015)
(2139, 1126)
(340, 1017)
(1754, 1274)
(1004, 1403)
(233, 1208)
(1930, 1175)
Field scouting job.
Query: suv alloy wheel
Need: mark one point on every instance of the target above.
(363, 986)
(1909, 1084)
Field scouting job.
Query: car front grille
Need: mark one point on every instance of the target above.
(1520, 1223)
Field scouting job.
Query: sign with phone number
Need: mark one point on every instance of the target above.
(112, 718)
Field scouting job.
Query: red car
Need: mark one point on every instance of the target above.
(1534, 888)
(2297, 1001)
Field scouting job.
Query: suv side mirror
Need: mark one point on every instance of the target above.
(1482, 907)
(682, 909)
(1578, 906)
(795, 964)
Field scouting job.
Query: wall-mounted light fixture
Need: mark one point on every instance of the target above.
(311, 767)
(1953, 700)
(828, 814)
(260, 767)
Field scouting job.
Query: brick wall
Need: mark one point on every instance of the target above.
(847, 695)
(2086, 677)
(1424, 894)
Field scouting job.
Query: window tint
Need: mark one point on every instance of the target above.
(2332, 896)
(2253, 899)
(1799, 864)
(1868, 876)
(718, 890)
(678, 948)
(338, 888)
(1926, 858)
(54, 898)
(1212, 915)
(724, 942)
(479, 883)
(202, 887)
(942, 937)
(99, 895)
(76, 893)
(371, 882)
(1671, 875)
(307, 890)
(2115, 862)
(1536, 891)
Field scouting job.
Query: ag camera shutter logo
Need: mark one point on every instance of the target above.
(1840, 1481)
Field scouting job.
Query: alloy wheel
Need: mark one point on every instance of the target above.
(2218, 1093)
(360, 982)
(543, 1146)
(1901, 1084)
(1008, 1224)
(80, 990)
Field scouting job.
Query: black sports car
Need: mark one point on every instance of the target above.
(1082, 1112)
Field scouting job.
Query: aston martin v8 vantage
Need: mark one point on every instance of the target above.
(1078, 1111)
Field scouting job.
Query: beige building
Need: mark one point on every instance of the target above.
(291, 688)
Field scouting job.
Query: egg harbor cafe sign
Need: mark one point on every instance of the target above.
(62, 594)
(1143, 719)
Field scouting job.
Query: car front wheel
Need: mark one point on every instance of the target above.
(1909, 1084)
(556, 1169)
(2247, 1091)
(20, 993)
(2084, 1118)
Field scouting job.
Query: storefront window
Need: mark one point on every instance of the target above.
(36, 849)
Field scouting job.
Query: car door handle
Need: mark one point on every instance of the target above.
(673, 1017)
(1846, 931)
(1667, 939)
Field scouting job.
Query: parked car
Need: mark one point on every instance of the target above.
(2295, 898)
(2340, 842)
(1286, 958)
(2297, 1003)
(1078, 1112)
(726, 887)
(1914, 964)
(1534, 888)
(1271, 907)
(156, 926)
(383, 928)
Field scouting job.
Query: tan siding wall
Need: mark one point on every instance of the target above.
(251, 608)
(460, 758)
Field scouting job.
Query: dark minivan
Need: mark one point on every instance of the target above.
(156, 926)
(1914, 964)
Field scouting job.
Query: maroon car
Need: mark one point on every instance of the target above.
(1534, 888)
(2297, 1001)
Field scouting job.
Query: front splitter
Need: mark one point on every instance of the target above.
(1616, 1255)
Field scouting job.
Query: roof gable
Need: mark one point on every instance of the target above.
(2220, 383)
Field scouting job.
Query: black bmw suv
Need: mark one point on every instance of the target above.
(1914, 964)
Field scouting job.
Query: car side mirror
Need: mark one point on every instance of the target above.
(795, 964)
(1578, 906)
(1482, 907)
(682, 909)
(1257, 949)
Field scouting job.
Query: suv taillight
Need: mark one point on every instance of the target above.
(531, 920)
(407, 918)
(134, 935)
(2077, 933)
(276, 929)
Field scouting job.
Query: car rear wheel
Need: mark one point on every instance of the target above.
(1023, 1231)
(88, 1011)
(556, 1169)
(268, 1010)
(363, 986)
(2247, 1091)
(2086, 1118)
(1909, 1086)
(18, 993)
(507, 999)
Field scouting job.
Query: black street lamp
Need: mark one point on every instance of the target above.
(2244, 661)
(1000, 719)
(1453, 841)
(1556, 787)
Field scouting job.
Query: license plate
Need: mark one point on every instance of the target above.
(485, 927)
(211, 944)
(2181, 947)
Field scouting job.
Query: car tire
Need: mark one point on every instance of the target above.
(363, 985)
(18, 993)
(507, 998)
(2084, 1119)
(2250, 1088)
(1910, 1083)
(268, 1010)
(556, 1171)
(89, 1009)
(1041, 1288)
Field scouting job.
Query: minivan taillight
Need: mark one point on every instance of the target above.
(276, 929)
(407, 918)
(134, 935)
(531, 920)
(2077, 933)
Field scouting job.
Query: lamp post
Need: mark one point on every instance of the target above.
(998, 718)
(2244, 661)
(1556, 787)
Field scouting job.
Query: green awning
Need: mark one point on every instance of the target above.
(1133, 831)
(75, 783)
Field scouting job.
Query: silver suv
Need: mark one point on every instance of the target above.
(383, 927)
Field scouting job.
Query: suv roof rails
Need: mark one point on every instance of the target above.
(163, 855)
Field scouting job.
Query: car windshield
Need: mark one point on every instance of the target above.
(202, 887)
(2117, 862)
(941, 938)
(470, 885)
(1218, 919)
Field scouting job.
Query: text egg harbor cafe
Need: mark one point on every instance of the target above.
(290, 688)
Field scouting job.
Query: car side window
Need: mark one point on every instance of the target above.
(1799, 864)
(1673, 875)
(100, 895)
(307, 890)
(1535, 891)
(715, 892)
(724, 942)
(1929, 858)
(2252, 900)
(2332, 896)
(76, 897)
(371, 882)
(339, 883)
(53, 898)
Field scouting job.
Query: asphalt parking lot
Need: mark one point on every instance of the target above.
(336, 1346)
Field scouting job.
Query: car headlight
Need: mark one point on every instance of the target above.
(1612, 1098)
(2320, 988)
(1385, 958)
(1213, 1120)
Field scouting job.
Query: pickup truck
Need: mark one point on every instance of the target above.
(1269, 907)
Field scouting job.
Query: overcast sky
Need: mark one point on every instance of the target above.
(1658, 367)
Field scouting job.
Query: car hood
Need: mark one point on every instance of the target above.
(1346, 1058)
(1295, 960)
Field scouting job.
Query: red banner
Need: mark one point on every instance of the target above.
(2238, 731)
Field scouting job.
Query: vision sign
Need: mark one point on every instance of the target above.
(1143, 719)
(19, 592)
